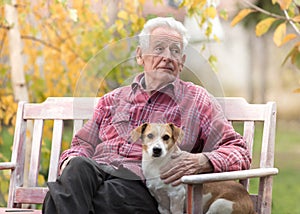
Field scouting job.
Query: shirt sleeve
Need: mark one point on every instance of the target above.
(86, 139)
(225, 148)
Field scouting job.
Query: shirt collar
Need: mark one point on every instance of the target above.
(172, 89)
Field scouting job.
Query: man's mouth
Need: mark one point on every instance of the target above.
(170, 69)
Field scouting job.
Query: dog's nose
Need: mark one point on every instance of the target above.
(156, 151)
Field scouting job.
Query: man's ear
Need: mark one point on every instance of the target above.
(139, 58)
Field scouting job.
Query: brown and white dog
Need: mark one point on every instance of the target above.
(159, 141)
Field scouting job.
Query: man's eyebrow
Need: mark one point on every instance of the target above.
(176, 44)
(158, 42)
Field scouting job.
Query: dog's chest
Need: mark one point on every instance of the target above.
(155, 184)
(161, 191)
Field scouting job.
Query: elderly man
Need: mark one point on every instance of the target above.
(101, 172)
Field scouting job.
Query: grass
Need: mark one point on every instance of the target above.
(286, 191)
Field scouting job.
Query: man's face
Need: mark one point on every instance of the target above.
(163, 60)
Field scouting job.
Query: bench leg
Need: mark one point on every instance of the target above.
(194, 199)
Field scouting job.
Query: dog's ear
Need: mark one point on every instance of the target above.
(177, 133)
(138, 131)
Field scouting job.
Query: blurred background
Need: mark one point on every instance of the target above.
(47, 48)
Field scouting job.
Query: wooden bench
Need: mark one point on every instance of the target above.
(60, 109)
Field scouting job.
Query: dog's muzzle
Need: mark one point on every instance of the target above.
(157, 151)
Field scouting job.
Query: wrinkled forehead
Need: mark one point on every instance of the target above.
(157, 40)
(165, 35)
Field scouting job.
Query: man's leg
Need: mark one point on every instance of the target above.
(73, 191)
(118, 195)
(84, 187)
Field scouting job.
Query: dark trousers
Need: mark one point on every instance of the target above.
(86, 187)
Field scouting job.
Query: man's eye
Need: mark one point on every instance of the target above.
(166, 137)
(159, 49)
(150, 136)
(175, 51)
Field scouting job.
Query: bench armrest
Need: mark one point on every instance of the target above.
(7, 165)
(225, 176)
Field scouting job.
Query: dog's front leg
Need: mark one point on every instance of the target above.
(177, 200)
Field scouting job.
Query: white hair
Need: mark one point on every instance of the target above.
(169, 22)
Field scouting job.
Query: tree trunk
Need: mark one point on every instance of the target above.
(17, 69)
(15, 50)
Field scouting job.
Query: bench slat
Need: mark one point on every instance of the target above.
(35, 152)
(30, 195)
(65, 108)
(7, 165)
(238, 109)
(55, 149)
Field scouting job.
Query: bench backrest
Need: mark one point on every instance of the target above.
(60, 109)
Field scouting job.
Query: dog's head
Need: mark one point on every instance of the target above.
(157, 139)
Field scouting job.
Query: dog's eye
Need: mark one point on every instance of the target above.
(166, 137)
(150, 136)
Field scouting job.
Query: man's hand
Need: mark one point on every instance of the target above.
(65, 163)
(184, 163)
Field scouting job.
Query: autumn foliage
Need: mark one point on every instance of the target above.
(289, 17)
(59, 38)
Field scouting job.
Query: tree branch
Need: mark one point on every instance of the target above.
(291, 22)
(4, 27)
(2, 42)
(263, 11)
(285, 17)
(41, 41)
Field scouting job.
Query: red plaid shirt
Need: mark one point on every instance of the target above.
(106, 137)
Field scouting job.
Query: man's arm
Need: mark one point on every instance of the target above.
(224, 149)
(83, 143)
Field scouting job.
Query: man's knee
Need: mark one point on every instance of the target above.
(79, 163)
(81, 166)
(79, 160)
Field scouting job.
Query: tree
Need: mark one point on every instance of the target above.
(286, 15)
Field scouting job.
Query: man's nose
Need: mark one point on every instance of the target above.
(167, 55)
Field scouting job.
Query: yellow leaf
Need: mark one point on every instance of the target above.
(41, 179)
(279, 34)
(241, 15)
(216, 38)
(197, 3)
(123, 15)
(119, 24)
(274, 1)
(210, 12)
(284, 4)
(223, 14)
(142, 2)
(297, 90)
(288, 38)
(263, 26)
(134, 18)
(296, 18)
